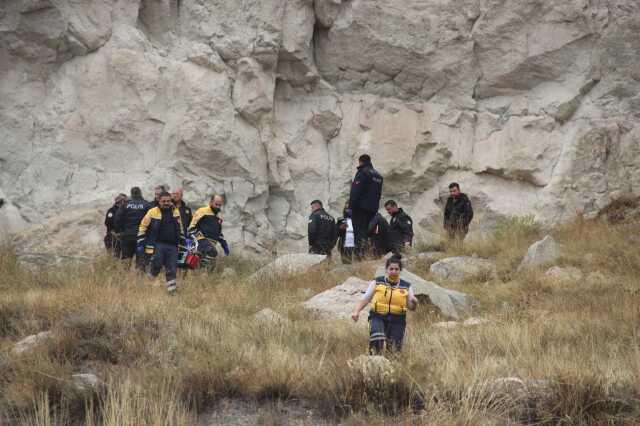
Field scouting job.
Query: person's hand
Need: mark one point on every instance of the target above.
(355, 316)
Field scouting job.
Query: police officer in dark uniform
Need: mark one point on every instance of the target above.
(364, 200)
(322, 230)
(458, 214)
(127, 221)
(401, 227)
(111, 242)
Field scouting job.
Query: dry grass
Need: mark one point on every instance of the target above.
(165, 360)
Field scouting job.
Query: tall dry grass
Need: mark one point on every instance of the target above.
(165, 360)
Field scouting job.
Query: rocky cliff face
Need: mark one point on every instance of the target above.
(530, 104)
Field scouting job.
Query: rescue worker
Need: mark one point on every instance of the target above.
(380, 236)
(401, 227)
(206, 228)
(346, 237)
(458, 213)
(111, 241)
(162, 232)
(127, 222)
(185, 211)
(364, 200)
(322, 231)
(390, 298)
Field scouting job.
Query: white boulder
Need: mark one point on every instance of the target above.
(541, 253)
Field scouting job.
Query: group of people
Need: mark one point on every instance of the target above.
(363, 231)
(164, 232)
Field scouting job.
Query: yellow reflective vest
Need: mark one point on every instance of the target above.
(390, 298)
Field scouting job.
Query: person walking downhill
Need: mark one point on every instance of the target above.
(390, 298)
(162, 231)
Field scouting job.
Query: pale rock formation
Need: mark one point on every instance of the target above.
(531, 105)
(463, 268)
(543, 252)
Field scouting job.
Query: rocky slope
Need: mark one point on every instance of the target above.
(530, 104)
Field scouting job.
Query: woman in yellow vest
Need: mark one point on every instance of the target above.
(390, 298)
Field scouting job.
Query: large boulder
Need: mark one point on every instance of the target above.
(339, 301)
(541, 253)
(463, 268)
(288, 264)
(451, 303)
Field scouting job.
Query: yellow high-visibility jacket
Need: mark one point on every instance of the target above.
(390, 298)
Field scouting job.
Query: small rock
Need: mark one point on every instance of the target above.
(85, 382)
(471, 322)
(564, 274)
(541, 253)
(30, 342)
(462, 268)
(268, 317)
(446, 325)
(375, 367)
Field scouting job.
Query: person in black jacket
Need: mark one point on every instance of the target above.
(346, 237)
(401, 227)
(162, 232)
(127, 222)
(458, 213)
(111, 241)
(185, 211)
(364, 200)
(380, 234)
(321, 229)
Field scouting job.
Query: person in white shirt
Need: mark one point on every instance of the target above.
(346, 237)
